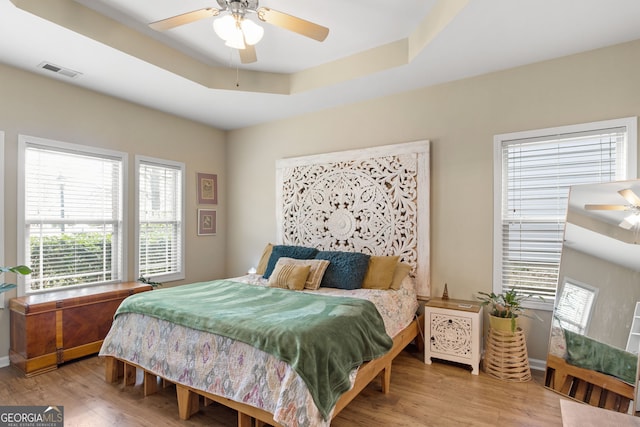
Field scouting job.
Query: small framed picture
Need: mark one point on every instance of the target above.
(207, 189)
(206, 222)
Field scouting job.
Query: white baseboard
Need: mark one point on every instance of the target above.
(537, 364)
(4, 361)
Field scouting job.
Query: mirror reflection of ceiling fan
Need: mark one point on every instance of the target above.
(634, 207)
(238, 31)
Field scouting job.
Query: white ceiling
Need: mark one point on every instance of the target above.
(602, 247)
(596, 232)
(410, 44)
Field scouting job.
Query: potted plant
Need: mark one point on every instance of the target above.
(505, 308)
(19, 269)
(148, 281)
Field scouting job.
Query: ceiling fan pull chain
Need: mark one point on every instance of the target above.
(237, 76)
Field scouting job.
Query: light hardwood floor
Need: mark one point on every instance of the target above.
(421, 395)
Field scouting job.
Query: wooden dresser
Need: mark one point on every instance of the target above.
(52, 328)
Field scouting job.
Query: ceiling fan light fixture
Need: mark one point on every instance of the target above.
(236, 43)
(225, 27)
(237, 32)
(228, 29)
(252, 32)
(631, 221)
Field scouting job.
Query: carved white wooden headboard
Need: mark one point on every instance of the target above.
(373, 200)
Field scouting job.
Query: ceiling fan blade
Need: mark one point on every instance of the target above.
(248, 54)
(292, 23)
(185, 18)
(606, 207)
(630, 196)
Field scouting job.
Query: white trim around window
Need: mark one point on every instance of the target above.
(161, 207)
(537, 218)
(86, 215)
(574, 306)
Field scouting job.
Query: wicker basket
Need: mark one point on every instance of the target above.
(506, 356)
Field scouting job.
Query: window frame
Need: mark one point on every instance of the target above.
(179, 275)
(594, 291)
(25, 141)
(631, 159)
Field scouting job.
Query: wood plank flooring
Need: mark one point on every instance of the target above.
(439, 395)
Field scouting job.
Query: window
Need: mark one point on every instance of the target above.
(71, 212)
(575, 304)
(533, 173)
(160, 213)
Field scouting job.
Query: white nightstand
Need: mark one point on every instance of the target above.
(453, 331)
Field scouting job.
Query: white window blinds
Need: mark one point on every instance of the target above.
(72, 215)
(536, 174)
(574, 306)
(160, 219)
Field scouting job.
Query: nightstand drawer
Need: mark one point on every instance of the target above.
(450, 335)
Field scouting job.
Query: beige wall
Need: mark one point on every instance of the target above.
(44, 107)
(615, 302)
(460, 119)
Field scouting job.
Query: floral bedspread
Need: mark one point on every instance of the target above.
(557, 343)
(236, 370)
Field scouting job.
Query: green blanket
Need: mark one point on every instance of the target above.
(322, 337)
(588, 353)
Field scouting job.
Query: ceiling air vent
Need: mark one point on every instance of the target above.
(59, 70)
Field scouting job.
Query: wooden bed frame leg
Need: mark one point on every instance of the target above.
(559, 380)
(188, 402)
(386, 379)
(244, 420)
(129, 374)
(150, 383)
(113, 369)
(261, 424)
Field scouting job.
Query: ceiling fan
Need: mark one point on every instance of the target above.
(634, 207)
(241, 33)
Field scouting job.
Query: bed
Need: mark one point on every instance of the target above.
(214, 366)
(609, 387)
(367, 202)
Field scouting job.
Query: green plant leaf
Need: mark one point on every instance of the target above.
(21, 269)
(506, 305)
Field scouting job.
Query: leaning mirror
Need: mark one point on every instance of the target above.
(595, 332)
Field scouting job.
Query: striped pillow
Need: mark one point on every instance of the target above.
(289, 276)
(318, 267)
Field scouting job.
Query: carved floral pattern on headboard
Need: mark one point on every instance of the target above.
(373, 201)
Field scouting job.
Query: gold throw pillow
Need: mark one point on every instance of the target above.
(380, 272)
(402, 271)
(289, 276)
(264, 259)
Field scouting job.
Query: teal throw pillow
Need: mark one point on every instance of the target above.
(289, 251)
(346, 270)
